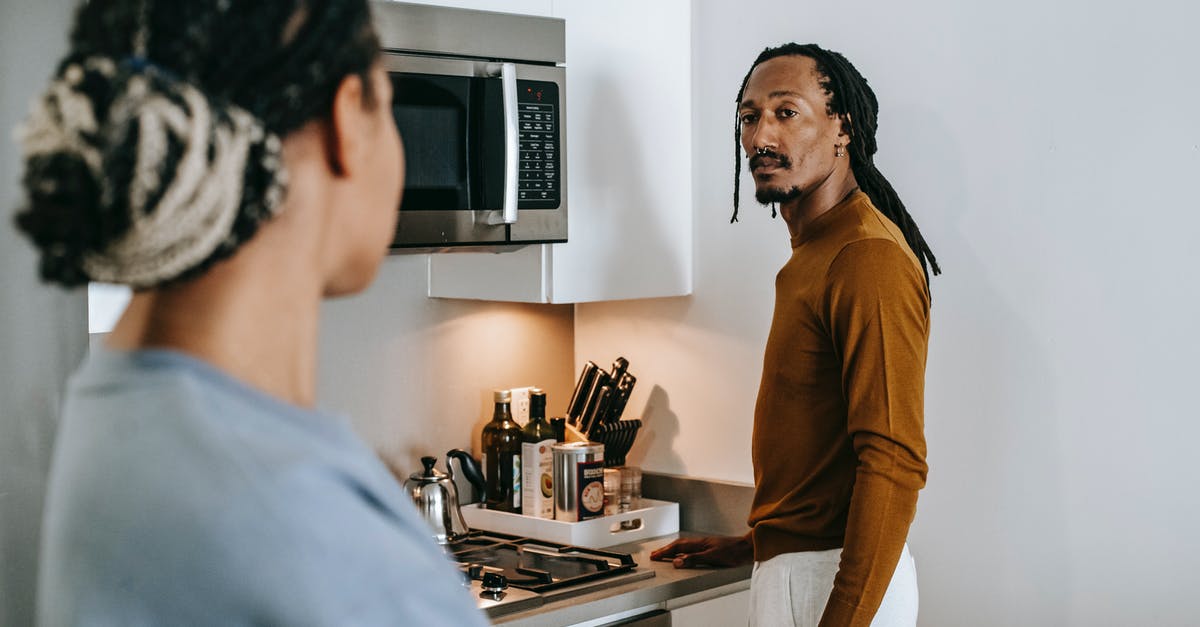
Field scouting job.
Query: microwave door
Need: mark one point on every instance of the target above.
(431, 113)
(436, 108)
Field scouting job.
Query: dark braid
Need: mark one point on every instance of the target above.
(851, 98)
(281, 61)
(240, 54)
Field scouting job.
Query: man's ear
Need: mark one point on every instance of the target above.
(348, 124)
(847, 126)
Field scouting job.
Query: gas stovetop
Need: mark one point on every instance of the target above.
(520, 573)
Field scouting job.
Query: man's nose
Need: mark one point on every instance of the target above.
(764, 136)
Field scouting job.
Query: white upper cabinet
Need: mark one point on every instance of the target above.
(629, 164)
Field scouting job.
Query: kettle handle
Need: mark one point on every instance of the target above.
(470, 467)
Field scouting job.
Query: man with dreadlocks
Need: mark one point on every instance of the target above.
(838, 444)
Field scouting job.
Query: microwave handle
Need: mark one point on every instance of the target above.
(508, 83)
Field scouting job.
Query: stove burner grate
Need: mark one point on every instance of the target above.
(535, 565)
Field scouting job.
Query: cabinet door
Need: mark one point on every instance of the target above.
(629, 167)
(731, 609)
(657, 618)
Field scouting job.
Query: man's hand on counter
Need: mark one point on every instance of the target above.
(720, 551)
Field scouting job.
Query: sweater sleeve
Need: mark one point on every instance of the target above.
(877, 308)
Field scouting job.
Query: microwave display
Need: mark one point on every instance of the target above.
(453, 133)
(539, 171)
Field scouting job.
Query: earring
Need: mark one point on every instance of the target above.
(841, 150)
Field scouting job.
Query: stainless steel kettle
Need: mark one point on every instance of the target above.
(436, 497)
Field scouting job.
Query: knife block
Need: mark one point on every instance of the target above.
(617, 438)
(574, 435)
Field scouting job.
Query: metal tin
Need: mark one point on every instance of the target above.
(578, 481)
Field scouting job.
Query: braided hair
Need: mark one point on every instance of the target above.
(851, 98)
(155, 152)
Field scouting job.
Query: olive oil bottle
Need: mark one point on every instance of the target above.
(537, 460)
(501, 443)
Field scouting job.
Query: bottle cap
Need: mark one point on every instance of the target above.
(502, 396)
(537, 402)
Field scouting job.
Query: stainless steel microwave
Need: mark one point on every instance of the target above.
(479, 100)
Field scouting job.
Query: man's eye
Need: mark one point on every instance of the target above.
(748, 118)
(788, 113)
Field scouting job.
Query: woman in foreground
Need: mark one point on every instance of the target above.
(234, 162)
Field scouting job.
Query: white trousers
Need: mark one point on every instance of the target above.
(791, 590)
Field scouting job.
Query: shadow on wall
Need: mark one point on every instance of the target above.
(991, 526)
(659, 425)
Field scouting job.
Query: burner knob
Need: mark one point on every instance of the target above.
(475, 571)
(494, 582)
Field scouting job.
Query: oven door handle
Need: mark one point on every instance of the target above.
(508, 83)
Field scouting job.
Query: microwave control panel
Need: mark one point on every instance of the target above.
(540, 166)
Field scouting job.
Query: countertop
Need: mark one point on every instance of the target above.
(670, 587)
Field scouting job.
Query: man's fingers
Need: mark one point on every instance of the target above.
(664, 553)
(692, 560)
(716, 552)
(673, 549)
(713, 556)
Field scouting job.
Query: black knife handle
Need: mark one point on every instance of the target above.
(624, 389)
(583, 388)
(597, 416)
(589, 406)
(589, 414)
(619, 367)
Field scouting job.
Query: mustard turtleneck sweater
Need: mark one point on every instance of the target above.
(838, 444)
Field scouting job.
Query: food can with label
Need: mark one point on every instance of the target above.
(578, 481)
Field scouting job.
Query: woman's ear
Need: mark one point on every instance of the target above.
(349, 123)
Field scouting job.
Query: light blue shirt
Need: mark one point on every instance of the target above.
(179, 495)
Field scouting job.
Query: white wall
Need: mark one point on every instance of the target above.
(416, 374)
(43, 331)
(1048, 151)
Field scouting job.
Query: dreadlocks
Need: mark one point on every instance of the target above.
(851, 99)
(155, 152)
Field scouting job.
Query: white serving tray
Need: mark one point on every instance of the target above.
(654, 518)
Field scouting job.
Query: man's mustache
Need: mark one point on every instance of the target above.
(780, 160)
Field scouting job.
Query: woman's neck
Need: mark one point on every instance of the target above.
(258, 328)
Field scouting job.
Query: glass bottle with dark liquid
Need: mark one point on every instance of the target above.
(501, 443)
(537, 460)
